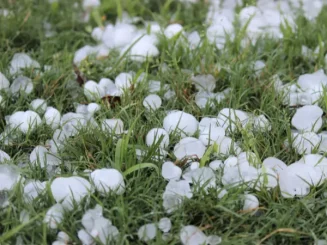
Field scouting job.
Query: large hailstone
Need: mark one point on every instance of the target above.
(115, 126)
(305, 142)
(152, 102)
(147, 232)
(204, 82)
(9, 177)
(52, 117)
(313, 83)
(228, 118)
(24, 121)
(154, 135)
(275, 164)
(68, 190)
(181, 122)
(308, 118)
(189, 147)
(21, 84)
(119, 36)
(295, 180)
(54, 216)
(39, 105)
(4, 82)
(40, 156)
(192, 235)
(108, 180)
(22, 61)
(239, 174)
(93, 91)
(170, 171)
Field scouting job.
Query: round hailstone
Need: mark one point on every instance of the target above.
(54, 216)
(216, 165)
(194, 39)
(317, 161)
(147, 232)
(308, 118)
(208, 123)
(226, 145)
(164, 224)
(208, 136)
(143, 48)
(4, 82)
(189, 147)
(108, 180)
(172, 30)
(313, 82)
(231, 161)
(306, 142)
(4, 156)
(239, 174)
(85, 237)
(33, 189)
(82, 53)
(24, 121)
(178, 120)
(191, 235)
(228, 118)
(204, 82)
(152, 102)
(39, 105)
(274, 164)
(115, 126)
(70, 189)
(170, 171)
(21, 84)
(178, 187)
(202, 98)
(63, 237)
(22, 61)
(268, 178)
(93, 108)
(194, 165)
(249, 158)
(97, 33)
(204, 177)
(108, 86)
(154, 86)
(90, 217)
(213, 240)
(104, 230)
(52, 117)
(40, 156)
(123, 81)
(9, 177)
(295, 180)
(93, 91)
(155, 135)
(251, 202)
(261, 124)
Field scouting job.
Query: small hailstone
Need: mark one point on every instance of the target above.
(228, 118)
(308, 118)
(20, 84)
(63, 237)
(108, 180)
(213, 240)
(40, 156)
(179, 120)
(97, 33)
(88, 4)
(259, 65)
(171, 171)
(210, 135)
(154, 86)
(52, 117)
(104, 230)
(222, 193)
(178, 187)
(108, 85)
(208, 123)
(164, 224)
(169, 94)
(251, 202)
(4, 82)
(305, 142)
(113, 126)
(147, 232)
(152, 102)
(54, 216)
(4, 156)
(90, 217)
(261, 124)
(226, 145)
(93, 91)
(172, 30)
(204, 177)
(21, 61)
(204, 82)
(39, 105)
(24, 216)
(274, 164)
(123, 81)
(9, 176)
(82, 53)
(155, 134)
(69, 189)
(268, 178)
(194, 165)
(192, 235)
(216, 165)
(33, 189)
(85, 237)
(231, 161)
(188, 147)
(93, 107)
(194, 39)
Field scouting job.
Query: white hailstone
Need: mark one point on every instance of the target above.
(108, 180)
(63, 237)
(208, 136)
(228, 118)
(54, 216)
(249, 158)
(154, 86)
(119, 36)
(317, 161)
(179, 120)
(87, 4)
(115, 126)
(24, 216)
(204, 82)
(313, 83)
(213, 240)
(194, 39)
(192, 235)
(4, 156)
(9, 177)
(194, 165)
(308, 118)
(239, 174)
(82, 53)
(203, 98)
(1, 101)
(251, 202)
(104, 231)
(275, 164)
(155, 134)
(52, 117)
(170, 171)
(32, 190)
(97, 33)
(231, 161)
(178, 187)
(147, 232)
(204, 177)
(4, 82)
(93, 108)
(164, 224)
(22, 61)
(261, 124)
(108, 85)
(85, 237)
(305, 142)
(24, 121)
(169, 94)
(93, 91)
(268, 178)
(172, 30)
(216, 165)
(258, 66)
(208, 123)
(222, 193)
(91, 216)
(226, 145)
(123, 81)
(188, 147)
(21, 84)
(217, 32)
(72, 122)
(40, 156)
(295, 180)
(152, 102)
(39, 105)
(68, 190)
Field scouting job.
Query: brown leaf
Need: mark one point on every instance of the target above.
(112, 100)
(80, 77)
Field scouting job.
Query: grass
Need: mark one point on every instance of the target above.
(279, 221)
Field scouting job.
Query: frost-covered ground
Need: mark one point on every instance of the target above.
(163, 122)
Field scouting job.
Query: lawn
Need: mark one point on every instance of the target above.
(163, 122)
